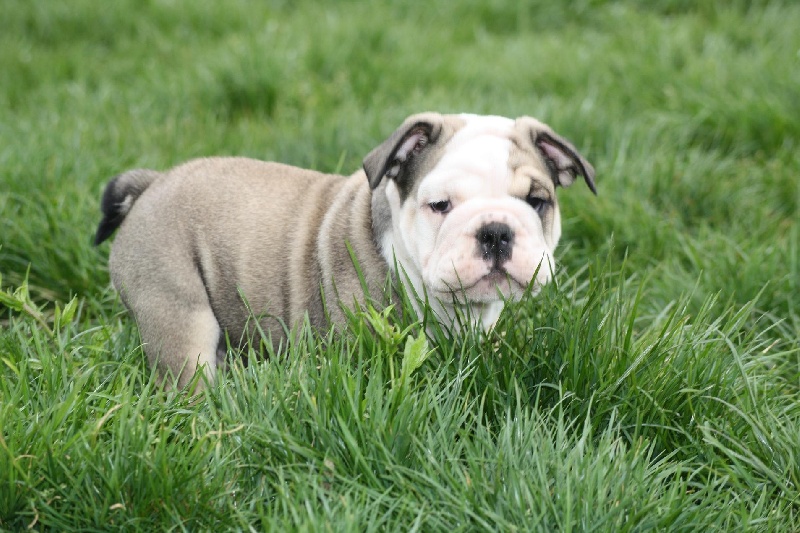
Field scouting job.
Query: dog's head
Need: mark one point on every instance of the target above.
(467, 205)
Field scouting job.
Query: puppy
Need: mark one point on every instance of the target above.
(464, 205)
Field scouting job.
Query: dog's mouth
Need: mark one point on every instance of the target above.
(494, 285)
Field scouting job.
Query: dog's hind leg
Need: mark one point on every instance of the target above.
(164, 289)
(179, 341)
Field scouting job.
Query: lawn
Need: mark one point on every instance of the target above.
(655, 385)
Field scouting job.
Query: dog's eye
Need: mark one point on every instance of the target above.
(442, 206)
(538, 204)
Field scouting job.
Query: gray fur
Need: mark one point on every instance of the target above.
(211, 228)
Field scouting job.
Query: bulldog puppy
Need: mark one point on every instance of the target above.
(462, 207)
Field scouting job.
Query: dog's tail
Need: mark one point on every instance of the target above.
(118, 198)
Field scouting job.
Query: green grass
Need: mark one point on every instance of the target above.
(654, 386)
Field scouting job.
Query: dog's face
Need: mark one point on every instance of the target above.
(472, 203)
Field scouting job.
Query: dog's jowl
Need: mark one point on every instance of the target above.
(464, 205)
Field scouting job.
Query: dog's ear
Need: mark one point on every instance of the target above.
(562, 159)
(409, 140)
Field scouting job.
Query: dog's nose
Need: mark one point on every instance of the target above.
(495, 241)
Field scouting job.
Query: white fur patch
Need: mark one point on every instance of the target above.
(475, 161)
(439, 252)
(126, 204)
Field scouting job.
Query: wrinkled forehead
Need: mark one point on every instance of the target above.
(477, 128)
(487, 155)
(481, 145)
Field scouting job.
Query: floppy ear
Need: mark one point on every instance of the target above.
(390, 157)
(563, 160)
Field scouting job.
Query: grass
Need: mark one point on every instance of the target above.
(654, 386)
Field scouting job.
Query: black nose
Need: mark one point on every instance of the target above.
(495, 241)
